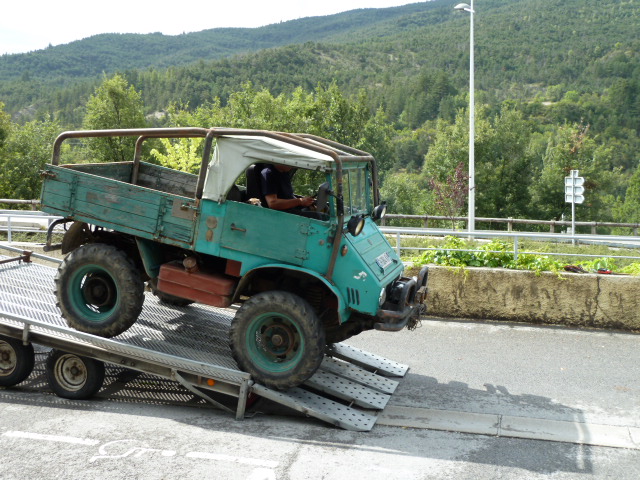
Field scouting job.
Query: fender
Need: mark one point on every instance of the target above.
(343, 311)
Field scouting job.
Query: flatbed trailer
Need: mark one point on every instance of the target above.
(190, 346)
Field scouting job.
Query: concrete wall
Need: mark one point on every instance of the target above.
(587, 300)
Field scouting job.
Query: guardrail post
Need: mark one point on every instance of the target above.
(593, 228)
(552, 227)
(515, 248)
(426, 221)
(9, 228)
(398, 243)
(510, 224)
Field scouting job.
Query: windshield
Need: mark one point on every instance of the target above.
(356, 191)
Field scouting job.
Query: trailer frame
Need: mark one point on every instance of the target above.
(179, 343)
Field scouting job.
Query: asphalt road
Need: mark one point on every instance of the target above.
(461, 373)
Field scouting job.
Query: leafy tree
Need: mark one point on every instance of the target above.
(410, 147)
(5, 126)
(503, 164)
(407, 194)
(26, 151)
(629, 210)
(114, 105)
(571, 147)
(182, 154)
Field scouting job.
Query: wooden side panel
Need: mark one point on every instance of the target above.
(121, 206)
(167, 180)
(120, 171)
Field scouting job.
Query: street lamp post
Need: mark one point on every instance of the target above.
(471, 223)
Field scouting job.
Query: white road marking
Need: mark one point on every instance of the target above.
(264, 470)
(51, 438)
(229, 458)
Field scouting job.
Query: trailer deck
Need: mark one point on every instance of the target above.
(190, 346)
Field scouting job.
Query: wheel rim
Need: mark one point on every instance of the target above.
(94, 292)
(275, 342)
(8, 359)
(70, 372)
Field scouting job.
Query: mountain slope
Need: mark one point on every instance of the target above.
(115, 52)
(409, 59)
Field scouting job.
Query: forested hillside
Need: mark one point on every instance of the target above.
(557, 87)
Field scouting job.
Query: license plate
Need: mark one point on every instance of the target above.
(384, 260)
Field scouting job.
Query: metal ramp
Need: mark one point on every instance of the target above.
(190, 345)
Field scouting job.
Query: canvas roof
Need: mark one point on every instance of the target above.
(235, 153)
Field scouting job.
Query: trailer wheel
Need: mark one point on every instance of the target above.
(99, 290)
(16, 361)
(278, 338)
(74, 377)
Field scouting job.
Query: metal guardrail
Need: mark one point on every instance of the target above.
(631, 242)
(552, 224)
(10, 221)
(25, 221)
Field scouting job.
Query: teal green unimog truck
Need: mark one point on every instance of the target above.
(302, 281)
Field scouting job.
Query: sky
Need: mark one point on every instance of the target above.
(27, 25)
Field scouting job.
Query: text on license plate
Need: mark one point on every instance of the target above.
(384, 260)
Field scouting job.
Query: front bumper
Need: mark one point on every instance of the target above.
(406, 303)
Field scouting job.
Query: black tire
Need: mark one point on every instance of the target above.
(99, 290)
(277, 338)
(74, 377)
(16, 361)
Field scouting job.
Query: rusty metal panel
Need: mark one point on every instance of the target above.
(208, 288)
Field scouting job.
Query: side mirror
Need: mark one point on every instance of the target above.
(379, 212)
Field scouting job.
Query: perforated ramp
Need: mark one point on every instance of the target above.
(348, 391)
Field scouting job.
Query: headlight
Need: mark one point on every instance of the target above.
(383, 296)
(355, 225)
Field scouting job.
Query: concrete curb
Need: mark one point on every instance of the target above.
(584, 300)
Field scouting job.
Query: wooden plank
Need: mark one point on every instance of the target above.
(184, 186)
(120, 204)
(120, 171)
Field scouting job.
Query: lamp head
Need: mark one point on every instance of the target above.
(464, 7)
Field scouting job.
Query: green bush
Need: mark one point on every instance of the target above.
(456, 252)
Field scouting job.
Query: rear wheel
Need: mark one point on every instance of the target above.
(99, 290)
(16, 361)
(278, 338)
(74, 377)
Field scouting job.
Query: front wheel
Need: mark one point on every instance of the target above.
(278, 338)
(99, 290)
(74, 377)
(16, 361)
